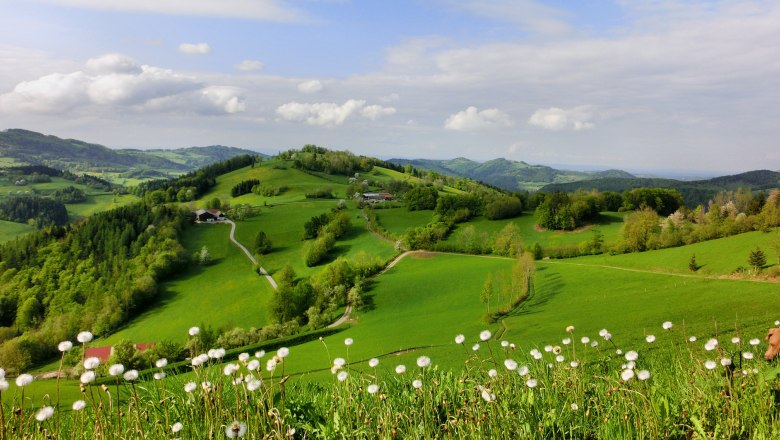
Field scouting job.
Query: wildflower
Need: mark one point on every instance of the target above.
(777, 322)
(475, 347)
(711, 344)
(487, 395)
(161, 363)
(116, 369)
(505, 344)
(348, 342)
(484, 335)
(342, 376)
(91, 363)
(64, 346)
(492, 372)
(3, 385)
(87, 377)
(603, 332)
(566, 341)
(667, 325)
(747, 355)
(423, 361)
(373, 362)
(510, 364)
(618, 352)
(230, 369)
(84, 337)
(585, 339)
(548, 348)
(339, 362)
(574, 364)
(575, 407)
(259, 354)
(417, 384)
(608, 336)
(627, 374)
(735, 340)
(253, 365)
(283, 352)
(243, 357)
(692, 339)
(512, 346)
(754, 341)
(460, 339)
(630, 365)
(237, 381)
(531, 383)
(131, 375)
(177, 426)
(650, 338)
(632, 355)
(216, 353)
(200, 359)
(194, 331)
(205, 386)
(594, 343)
(523, 371)
(79, 405)
(254, 385)
(559, 358)
(643, 375)
(235, 429)
(23, 380)
(190, 387)
(270, 365)
(710, 365)
(725, 362)
(570, 329)
(536, 354)
(556, 349)
(44, 413)
(400, 369)
(372, 389)
(159, 375)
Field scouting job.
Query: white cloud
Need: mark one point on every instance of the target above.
(117, 81)
(195, 48)
(265, 10)
(329, 114)
(311, 86)
(529, 15)
(250, 65)
(472, 119)
(554, 118)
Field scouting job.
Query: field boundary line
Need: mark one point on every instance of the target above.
(658, 272)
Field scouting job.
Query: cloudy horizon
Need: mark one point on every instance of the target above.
(639, 85)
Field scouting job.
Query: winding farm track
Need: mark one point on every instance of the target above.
(263, 272)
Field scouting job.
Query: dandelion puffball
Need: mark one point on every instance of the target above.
(177, 427)
(64, 346)
(373, 362)
(44, 413)
(342, 376)
(643, 375)
(510, 364)
(194, 331)
(87, 377)
(348, 342)
(131, 375)
(400, 369)
(417, 383)
(710, 365)
(283, 352)
(632, 355)
(79, 405)
(627, 374)
(667, 325)
(484, 335)
(650, 338)
(492, 372)
(531, 383)
(711, 344)
(423, 361)
(460, 339)
(754, 341)
(116, 369)
(372, 389)
(84, 337)
(23, 380)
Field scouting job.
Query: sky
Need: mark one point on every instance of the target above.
(630, 84)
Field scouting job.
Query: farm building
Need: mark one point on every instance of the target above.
(104, 353)
(209, 215)
(377, 197)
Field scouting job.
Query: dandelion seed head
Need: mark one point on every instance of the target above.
(373, 388)
(585, 340)
(91, 363)
(510, 364)
(692, 339)
(487, 395)
(417, 383)
(194, 331)
(608, 336)
(283, 352)
(87, 377)
(505, 344)
(632, 355)
(23, 380)
(270, 365)
(339, 362)
(3, 385)
(559, 358)
(348, 342)
(531, 383)
(475, 347)
(236, 429)
(627, 374)
(492, 372)
(725, 362)
(460, 339)
(160, 375)
(735, 340)
(643, 375)
(116, 369)
(574, 364)
(44, 413)
(569, 329)
(548, 348)
(253, 365)
(666, 325)
(754, 342)
(259, 354)
(342, 376)
(161, 363)
(243, 357)
(84, 337)
(534, 353)
(254, 385)
(373, 362)
(650, 339)
(711, 344)
(594, 343)
(630, 365)
(566, 341)
(190, 387)
(484, 335)
(64, 346)
(618, 352)
(603, 332)
(177, 427)
(423, 361)
(230, 369)
(400, 369)
(575, 407)
(710, 365)
(131, 375)
(747, 355)
(79, 405)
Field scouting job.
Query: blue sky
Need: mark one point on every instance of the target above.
(640, 84)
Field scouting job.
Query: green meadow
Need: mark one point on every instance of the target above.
(11, 230)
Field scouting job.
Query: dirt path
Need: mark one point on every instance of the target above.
(249, 255)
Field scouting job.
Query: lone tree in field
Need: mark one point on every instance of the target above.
(204, 256)
(757, 259)
(692, 265)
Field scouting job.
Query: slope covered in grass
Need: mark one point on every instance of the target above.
(11, 230)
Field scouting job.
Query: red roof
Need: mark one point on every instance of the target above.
(102, 353)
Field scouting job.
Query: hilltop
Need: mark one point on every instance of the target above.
(24, 147)
(508, 174)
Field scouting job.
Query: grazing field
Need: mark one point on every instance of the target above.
(97, 202)
(226, 293)
(11, 230)
(398, 220)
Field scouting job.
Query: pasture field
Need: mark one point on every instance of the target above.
(98, 202)
(226, 293)
(398, 220)
(11, 230)
(714, 257)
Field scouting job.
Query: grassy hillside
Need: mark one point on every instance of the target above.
(11, 230)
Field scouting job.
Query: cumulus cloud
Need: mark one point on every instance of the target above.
(472, 119)
(115, 80)
(329, 114)
(195, 48)
(266, 10)
(554, 118)
(311, 86)
(250, 65)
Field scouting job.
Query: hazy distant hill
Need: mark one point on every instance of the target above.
(694, 192)
(508, 174)
(29, 147)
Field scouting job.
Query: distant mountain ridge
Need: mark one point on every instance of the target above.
(33, 148)
(509, 175)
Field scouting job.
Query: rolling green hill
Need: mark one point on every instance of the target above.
(507, 174)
